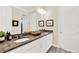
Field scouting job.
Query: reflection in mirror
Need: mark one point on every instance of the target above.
(24, 24)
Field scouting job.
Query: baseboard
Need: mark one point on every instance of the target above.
(61, 48)
(56, 45)
(49, 49)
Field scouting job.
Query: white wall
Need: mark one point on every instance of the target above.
(69, 28)
(51, 13)
(5, 18)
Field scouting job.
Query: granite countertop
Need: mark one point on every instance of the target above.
(9, 45)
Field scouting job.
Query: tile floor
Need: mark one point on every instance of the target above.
(57, 50)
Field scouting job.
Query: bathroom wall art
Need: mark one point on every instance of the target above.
(41, 23)
(49, 23)
(15, 23)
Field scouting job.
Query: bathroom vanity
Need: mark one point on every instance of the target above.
(29, 44)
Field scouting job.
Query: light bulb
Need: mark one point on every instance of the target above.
(41, 11)
(21, 20)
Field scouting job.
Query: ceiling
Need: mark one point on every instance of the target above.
(29, 9)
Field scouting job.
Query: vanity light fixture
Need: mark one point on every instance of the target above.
(21, 20)
(21, 25)
(41, 11)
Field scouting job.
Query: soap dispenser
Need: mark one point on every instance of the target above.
(8, 36)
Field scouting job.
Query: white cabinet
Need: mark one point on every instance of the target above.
(34, 49)
(28, 48)
(40, 45)
(46, 42)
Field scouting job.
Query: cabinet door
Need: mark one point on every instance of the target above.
(43, 44)
(34, 49)
(46, 43)
(49, 40)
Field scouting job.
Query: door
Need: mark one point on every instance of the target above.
(26, 23)
(69, 28)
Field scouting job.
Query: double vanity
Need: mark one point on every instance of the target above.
(28, 44)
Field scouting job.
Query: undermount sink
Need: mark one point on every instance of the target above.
(21, 40)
